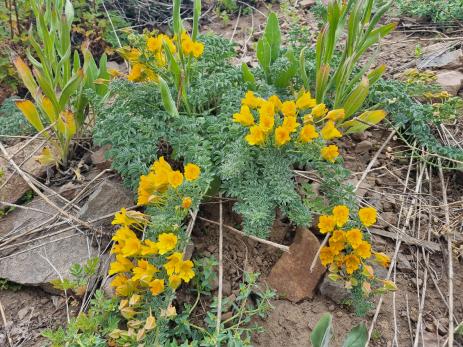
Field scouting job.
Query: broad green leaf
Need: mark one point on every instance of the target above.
(248, 77)
(174, 68)
(176, 18)
(264, 57)
(30, 113)
(70, 88)
(46, 87)
(283, 78)
(356, 98)
(49, 109)
(273, 35)
(167, 99)
(363, 122)
(376, 74)
(69, 12)
(357, 337)
(322, 77)
(321, 334)
(196, 16)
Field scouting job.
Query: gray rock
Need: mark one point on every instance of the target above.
(363, 147)
(446, 60)
(403, 264)
(98, 158)
(108, 198)
(450, 80)
(334, 290)
(307, 3)
(16, 187)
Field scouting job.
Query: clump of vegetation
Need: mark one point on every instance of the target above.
(436, 11)
(12, 121)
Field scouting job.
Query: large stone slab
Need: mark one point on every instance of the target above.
(16, 186)
(291, 275)
(450, 81)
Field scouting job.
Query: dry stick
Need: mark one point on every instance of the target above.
(364, 175)
(450, 252)
(396, 251)
(236, 24)
(10, 342)
(239, 232)
(219, 295)
(43, 196)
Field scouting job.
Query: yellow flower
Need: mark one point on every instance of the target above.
(326, 224)
(186, 202)
(282, 136)
(338, 236)
(326, 256)
(175, 179)
(154, 44)
(166, 242)
(192, 172)
(127, 218)
(367, 216)
(337, 246)
(251, 100)
(256, 136)
(267, 108)
(133, 55)
(363, 250)
(266, 122)
(187, 45)
(174, 281)
(290, 123)
(123, 234)
(329, 131)
(308, 133)
(275, 100)
(352, 263)
(245, 117)
(305, 101)
(308, 118)
(161, 165)
(123, 285)
(354, 237)
(330, 153)
(135, 73)
(185, 270)
(173, 265)
(132, 247)
(149, 248)
(156, 286)
(198, 49)
(319, 110)
(336, 115)
(121, 264)
(382, 259)
(341, 213)
(147, 189)
(288, 108)
(144, 272)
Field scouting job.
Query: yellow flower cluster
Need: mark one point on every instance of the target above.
(291, 120)
(347, 250)
(145, 61)
(154, 185)
(134, 277)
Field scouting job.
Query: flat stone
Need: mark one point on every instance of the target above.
(446, 60)
(363, 147)
(305, 4)
(334, 291)
(16, 186)
(450, 80)
(403, 264)
(108, 198)
(291, 275)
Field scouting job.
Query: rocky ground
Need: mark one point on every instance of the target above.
(36, 247)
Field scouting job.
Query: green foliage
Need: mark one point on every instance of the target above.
(322, 333)
(436, 11)
(12, 122)
(81, 275)
(413, 119)
(88, 329)
(7, 285)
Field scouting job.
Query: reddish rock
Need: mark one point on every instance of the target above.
(16, 187)
(291, 275)
(99, 158)
(450, 80)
